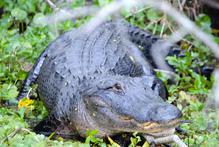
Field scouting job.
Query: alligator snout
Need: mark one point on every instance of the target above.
(164, 113)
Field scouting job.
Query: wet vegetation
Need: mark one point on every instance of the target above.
(23, 38)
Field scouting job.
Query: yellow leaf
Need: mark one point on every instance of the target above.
(146, 144)
(60, 139)
(113, 142)
(27, 103)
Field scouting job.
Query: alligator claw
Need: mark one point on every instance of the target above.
(166, 139)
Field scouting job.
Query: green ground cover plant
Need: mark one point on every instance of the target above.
(22, 40)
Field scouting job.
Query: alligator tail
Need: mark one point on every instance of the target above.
(32, 76)
(146, 40)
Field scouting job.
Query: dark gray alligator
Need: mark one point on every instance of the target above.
(91, 81)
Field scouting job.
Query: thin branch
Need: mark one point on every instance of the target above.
(165, 7)
(51, 4)
(180, 5)
(187, 24)
(214, 96)
(166, 72)
(181, 19)
(160, 50)
(102, 15)
(28, 94)
(15, 132)
(64, 14)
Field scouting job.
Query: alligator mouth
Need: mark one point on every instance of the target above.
(160, 129)
(159, 133)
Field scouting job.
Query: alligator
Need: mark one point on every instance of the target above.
(92, 80)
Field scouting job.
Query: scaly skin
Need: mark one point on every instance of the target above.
(90, 81)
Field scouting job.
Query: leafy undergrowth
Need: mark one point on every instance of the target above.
(21, 42)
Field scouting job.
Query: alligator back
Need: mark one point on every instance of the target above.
(77, 55)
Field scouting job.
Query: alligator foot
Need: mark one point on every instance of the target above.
(166, 139)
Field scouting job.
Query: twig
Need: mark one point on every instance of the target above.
(64, 14)
(188, 25)
(162, 29)
(104, 13)
(12, 134)
(138, 11)
(167, 72)
(180, 5)
(183, 3)
(159, 50)
(51, 4)
(182, 20)
(214, 96)
(29, 92)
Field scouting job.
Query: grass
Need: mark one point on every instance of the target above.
(21, 42)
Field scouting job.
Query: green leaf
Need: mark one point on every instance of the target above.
(77, 3)
(39, 20)
(204, 22)
(19, 14)
(21, 75)
(153, 15)
(8, 91)
(200, 122)
(103, 2)
(21, 112)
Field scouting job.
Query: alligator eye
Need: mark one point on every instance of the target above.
(116, 87)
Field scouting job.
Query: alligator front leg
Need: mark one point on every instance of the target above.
(166, 139)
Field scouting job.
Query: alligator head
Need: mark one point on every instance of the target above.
(124, 104)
